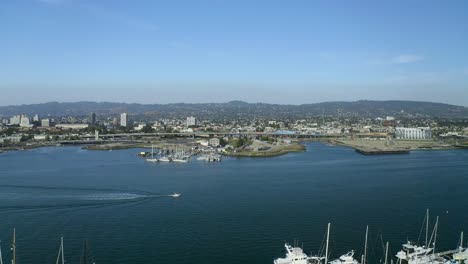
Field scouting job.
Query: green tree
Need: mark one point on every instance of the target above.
(147, 129)
(222, 142)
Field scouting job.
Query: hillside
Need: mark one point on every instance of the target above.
(239, 109)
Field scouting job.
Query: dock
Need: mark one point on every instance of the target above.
(381, 151)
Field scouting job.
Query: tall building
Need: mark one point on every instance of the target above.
(123, 119)
(191, 121)
(413, 133)
(36, 118)
(15, 120)
(115, 122)
(92, 118)
(25, 122)
(45, 122)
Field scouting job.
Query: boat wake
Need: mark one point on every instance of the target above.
(17, 197)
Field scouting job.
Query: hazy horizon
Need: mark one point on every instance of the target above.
(224, 102)
(213, 51)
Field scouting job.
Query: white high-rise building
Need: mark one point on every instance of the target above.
(25, 122)
(36, 118)
(413, 133)
(15, 120)
(45, 122)
(123, 119)
(191, 121)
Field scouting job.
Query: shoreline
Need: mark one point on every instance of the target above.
(365, 147)
(380, 147)
(295, 147)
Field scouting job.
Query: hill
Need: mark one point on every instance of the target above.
(239, 109)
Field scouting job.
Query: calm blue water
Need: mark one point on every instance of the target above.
(237, 211)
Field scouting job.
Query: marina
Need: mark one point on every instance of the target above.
(411, 252)
(241, 210)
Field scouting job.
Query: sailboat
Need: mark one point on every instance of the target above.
(348, 258)
(412, 253)
(152, 159)
(180, 156)
(13, 247)
(60, 255)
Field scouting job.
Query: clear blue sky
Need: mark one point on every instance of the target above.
(150, 51)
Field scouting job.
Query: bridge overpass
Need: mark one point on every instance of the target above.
(211, 134)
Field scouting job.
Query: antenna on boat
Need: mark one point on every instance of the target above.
(328, 240)
(365, 246)
(386, 253)
(13, 248)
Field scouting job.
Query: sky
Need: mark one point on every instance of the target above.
(196, 51)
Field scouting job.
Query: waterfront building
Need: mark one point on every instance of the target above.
(11, 139)
(417, 133)
(123, 119)
(214, 142)
(45, 122)
(191, 121)
(92, 118)
(41, 137)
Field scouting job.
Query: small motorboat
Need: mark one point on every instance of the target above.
(174, 195)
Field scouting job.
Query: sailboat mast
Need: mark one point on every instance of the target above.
(386, 253)
(427, 226)
(365, 246)
(84, 259)
(461, 241)
(60, 253)
(14, 246)
(61, 245)
(435, 233)
(1, 257)
(328, 240)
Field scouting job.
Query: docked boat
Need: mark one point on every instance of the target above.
(416, 254)
(152, 159)
(210, 157)
(294, 255)
(183, 159)
(461, 257)
(165, 159)
(347, 258)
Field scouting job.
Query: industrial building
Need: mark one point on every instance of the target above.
(417, 133)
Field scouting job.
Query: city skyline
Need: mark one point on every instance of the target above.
(215, 51)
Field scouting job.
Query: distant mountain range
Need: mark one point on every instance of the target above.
(239, 109)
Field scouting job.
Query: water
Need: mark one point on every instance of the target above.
(237, 211)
